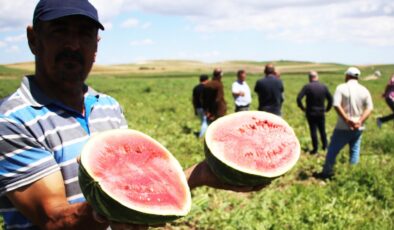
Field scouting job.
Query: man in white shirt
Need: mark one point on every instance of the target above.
(241, 92)
(353, 103)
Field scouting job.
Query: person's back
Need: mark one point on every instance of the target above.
(212, 97)
(269, 90)
(197, 92)
(316, 94)
(354, 98)
(198, 108)
(353, 104)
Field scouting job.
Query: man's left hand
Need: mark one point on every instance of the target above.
(201, 175)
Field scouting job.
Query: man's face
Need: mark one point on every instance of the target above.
(65, 51)
(242, 77)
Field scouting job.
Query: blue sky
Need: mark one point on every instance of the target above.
(350, 32)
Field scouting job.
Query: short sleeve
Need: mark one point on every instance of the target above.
(368, 101)
(119, 113)
(123, 121)
(337, 99)
(22, 159)
(235, 88)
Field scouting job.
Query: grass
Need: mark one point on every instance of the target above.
(359, 197)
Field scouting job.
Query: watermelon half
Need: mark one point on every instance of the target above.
(129, 177)
(250, 148)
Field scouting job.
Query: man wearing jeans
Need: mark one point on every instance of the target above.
(353, 103)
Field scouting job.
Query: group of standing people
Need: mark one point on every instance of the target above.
(352, 102)
(208, 96)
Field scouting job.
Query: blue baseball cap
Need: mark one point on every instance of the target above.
(48, 10)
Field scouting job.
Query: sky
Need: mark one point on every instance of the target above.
(350, 32)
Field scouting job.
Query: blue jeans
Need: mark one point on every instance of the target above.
(338, 140)
(204, 121)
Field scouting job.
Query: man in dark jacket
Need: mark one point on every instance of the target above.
(212, 98)
(316, 93)
(270, 91)
(198, 110)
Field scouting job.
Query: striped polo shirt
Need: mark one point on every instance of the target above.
(39, 136)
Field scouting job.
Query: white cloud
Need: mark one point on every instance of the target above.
(144, 42)
(130, 23)
(12, 49)
(16, 14)
(146, 25)
(18, 38)
(108, 26)
(363, 21)
(135, 23)
(2, 44)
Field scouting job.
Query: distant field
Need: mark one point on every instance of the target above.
(158, 102)
(180, 66)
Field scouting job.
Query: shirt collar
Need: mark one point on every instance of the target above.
(33, 95)
(352, 81)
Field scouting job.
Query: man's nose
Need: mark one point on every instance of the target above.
(72, 41)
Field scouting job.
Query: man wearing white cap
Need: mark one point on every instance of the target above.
(353, 103)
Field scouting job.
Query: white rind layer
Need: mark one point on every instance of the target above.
(87, 152)
(236, 117)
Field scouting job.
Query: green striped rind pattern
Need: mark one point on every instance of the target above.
(110, 208)
(232, 176)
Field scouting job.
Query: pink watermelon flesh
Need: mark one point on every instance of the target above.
(138, 172)
(255, 143)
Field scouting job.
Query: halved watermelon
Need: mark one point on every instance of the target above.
(129, 177)
(250, 148)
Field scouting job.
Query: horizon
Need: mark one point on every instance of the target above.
(212, 32)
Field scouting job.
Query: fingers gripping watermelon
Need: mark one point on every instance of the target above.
(129, 177)
(250, 148)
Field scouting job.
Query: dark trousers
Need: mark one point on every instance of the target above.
(241, 108)
(390, 117)
(271, 109)
(317, 123)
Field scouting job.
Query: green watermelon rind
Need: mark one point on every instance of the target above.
(232, 176)
(112, 209)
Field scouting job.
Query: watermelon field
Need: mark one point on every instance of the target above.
(156, 99)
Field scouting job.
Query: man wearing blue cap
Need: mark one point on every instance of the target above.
(45, 123)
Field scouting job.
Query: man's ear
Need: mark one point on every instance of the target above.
(32, 39)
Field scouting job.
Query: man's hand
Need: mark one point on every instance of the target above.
(210, 116)
(201, 175)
